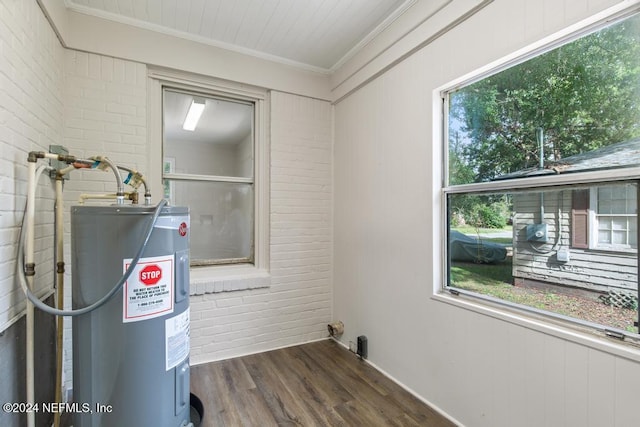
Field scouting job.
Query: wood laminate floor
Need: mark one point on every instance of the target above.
(316, 384)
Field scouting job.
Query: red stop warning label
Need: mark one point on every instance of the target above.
(149, 292)
(150, 274)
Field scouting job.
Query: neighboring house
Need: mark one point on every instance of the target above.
(586, 236)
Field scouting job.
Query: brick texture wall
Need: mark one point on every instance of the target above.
(31, 115)
(105, 113)
(297, 306)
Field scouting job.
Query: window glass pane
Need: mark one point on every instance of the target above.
(220, 145)
(619, 223)
(604, 237)
(619, 237)
(521, 247)
(618, 207)
(221, 219)
(575, 108)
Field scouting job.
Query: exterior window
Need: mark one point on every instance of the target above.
(615, 218)
(210, 168)
(541, 186)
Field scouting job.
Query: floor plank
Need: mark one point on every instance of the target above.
(316, 384)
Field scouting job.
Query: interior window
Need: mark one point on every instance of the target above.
(209, 166)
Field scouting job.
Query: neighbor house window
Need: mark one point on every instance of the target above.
(614, 218)
(208, 165)
(542, 182)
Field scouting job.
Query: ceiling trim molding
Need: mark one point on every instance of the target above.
(95, 35)
(86, 10)
(191, 37)
(451, 14)
(374, 33)
(56, 14)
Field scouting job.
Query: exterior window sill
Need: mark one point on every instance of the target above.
(229, 278)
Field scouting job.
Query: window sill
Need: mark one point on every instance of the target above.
(228, 278)
(629, 349)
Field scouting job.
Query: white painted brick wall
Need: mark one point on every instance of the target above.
(31, 116)
(105, 114)
(297, 306)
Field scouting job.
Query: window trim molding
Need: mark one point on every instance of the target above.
(157, 79)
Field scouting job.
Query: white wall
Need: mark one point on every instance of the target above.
(31, 112)
(480, 367)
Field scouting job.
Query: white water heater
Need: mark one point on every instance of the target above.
(131, 355)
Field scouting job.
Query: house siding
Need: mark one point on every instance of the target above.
(592, 270)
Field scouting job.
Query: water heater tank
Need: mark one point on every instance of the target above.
(131, 356)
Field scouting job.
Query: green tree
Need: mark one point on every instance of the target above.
(584, 95)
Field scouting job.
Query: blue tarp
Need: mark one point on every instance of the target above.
(469, 249)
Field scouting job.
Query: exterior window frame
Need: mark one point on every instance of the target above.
(485, 304)
(158, 80)
(594, 222)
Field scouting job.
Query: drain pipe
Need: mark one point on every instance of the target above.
(59, 234)
(30, 273)
(540, 138)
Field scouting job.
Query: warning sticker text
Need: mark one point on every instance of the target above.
(149, 291)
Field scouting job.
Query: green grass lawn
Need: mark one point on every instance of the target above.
(492, 280)
(495, 280)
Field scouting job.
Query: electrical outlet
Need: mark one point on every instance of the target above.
(363, 347)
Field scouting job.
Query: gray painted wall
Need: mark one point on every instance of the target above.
(12, 367)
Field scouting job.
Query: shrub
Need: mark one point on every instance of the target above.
(488, 216)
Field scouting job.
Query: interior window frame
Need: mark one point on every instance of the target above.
(193, 177)
(247, 275)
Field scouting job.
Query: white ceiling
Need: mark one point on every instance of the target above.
(313, 34)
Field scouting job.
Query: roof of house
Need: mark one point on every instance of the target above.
(619, 155)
